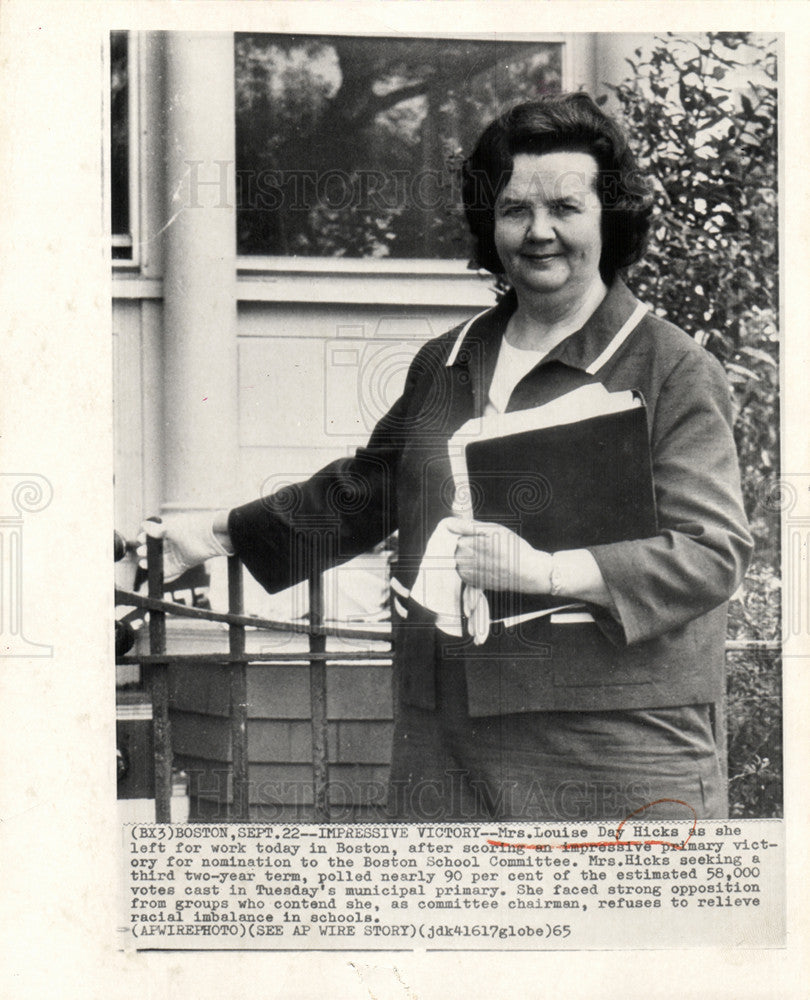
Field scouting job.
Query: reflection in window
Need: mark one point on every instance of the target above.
(119, 146)
(349, 147)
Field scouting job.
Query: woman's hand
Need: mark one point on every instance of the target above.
(492, 557)
(188, 540)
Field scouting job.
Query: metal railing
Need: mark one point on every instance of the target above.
(157, 661)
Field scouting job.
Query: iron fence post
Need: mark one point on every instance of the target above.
(240, 804)
(317, 688)
(158, 681)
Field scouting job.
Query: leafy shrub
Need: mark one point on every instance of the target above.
(701, 112)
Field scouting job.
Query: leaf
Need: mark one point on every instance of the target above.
(742, 370)
(759, 355)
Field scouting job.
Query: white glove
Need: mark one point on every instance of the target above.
(188, 540)
(476, 609)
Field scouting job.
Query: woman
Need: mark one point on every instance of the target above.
(597, 714)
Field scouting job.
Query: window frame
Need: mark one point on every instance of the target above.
(135, 84)
(442, 282)
(293, 270)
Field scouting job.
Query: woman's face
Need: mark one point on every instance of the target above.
(548, 219)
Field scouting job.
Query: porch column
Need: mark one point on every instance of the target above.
(199, 339)
(610, 53)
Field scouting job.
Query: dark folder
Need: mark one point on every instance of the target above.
(565, 487)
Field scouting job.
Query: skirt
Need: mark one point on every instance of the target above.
(447, 765)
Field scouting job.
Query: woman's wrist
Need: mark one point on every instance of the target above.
(220, 530)
(536, 573)
(575, 574)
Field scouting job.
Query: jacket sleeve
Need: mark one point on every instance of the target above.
(341, 511)
(703, 547)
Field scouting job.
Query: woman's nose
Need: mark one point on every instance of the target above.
(541, 226)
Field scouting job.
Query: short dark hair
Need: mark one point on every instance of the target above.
(562, 123)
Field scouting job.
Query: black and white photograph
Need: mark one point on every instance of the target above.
(437, 380)
(472, 346)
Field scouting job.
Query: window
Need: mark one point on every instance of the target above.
(350, 147)
(123, 146)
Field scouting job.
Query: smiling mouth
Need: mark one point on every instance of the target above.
(541, 257)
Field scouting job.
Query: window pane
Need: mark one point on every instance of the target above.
(349, 147)
(119, 143)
